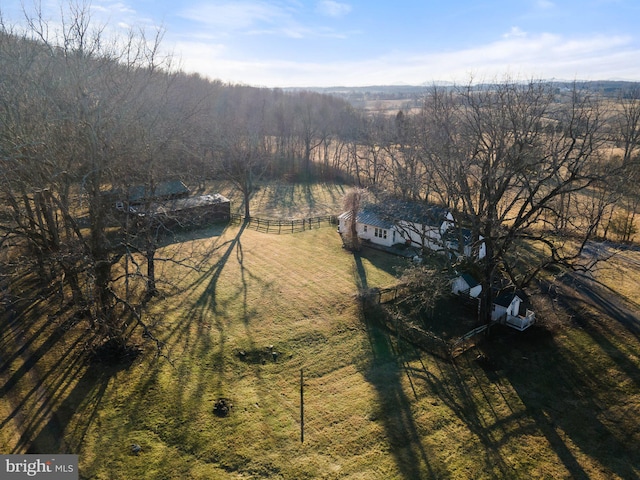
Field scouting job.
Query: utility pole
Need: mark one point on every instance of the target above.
(301, 406)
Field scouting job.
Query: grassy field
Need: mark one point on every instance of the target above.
(557, 402)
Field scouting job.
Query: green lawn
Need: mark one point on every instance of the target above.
(546, 404)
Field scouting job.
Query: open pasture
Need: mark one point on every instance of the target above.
(545, 403)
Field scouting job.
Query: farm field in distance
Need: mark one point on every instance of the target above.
(560, 400)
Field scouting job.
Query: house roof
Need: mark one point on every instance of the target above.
(385, 215)
(369, 217)
(470, 280)
(505, 298)
(162, 190)
(422, 213)
(181, 204)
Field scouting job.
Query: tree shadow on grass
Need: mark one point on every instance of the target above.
(199, 355)
(70, 417)
(381, 260)
(395, 411)
(208, 301)
(279, 197)
(48, 382)
(181, 235)
(570, 403)
(309, 196)
(586, 290)
(360, 274)
(459, 386)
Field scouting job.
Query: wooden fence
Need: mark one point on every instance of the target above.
(385, 295)
(418, 336)
(284, 226)
(466, 341)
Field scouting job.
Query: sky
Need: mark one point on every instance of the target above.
(323, 43)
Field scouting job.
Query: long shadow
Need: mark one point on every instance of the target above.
(360, 273)
(195, 233)
(562, 397)
(207, 299)
(451, 387)
(405, 441)
(309, 196)
(335, 190)
(582, 291)
(12, 330)
(606, 300)
(52, 380)
(282, 195)
(381, 260)
(80, 404)
(386, 374)
(32, 356)
(193, 333)
(53, 383)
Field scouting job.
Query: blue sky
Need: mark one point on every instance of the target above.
(282, 43)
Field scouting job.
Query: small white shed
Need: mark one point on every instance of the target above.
(465, 284)
(508, 309)
(506, 304)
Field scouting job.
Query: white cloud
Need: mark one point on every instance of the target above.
(114, 8)
(259, 17)
(515, 32)
(545, 4)
(531, 56)
(251, 17)
(333, 9)
(236, 15)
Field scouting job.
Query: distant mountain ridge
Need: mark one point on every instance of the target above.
(409, 92)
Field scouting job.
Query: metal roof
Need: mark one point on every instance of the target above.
(172, 188)
(368, 217)
(385, 215)
(470, 280)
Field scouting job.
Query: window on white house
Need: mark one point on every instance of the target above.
(380, 233)
(364, 229)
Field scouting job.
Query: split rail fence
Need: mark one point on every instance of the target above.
(284, 226)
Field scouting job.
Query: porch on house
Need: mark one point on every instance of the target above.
(519, 322)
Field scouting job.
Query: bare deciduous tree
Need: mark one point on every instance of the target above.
(511, 162)
(74, 136)
(351, 203)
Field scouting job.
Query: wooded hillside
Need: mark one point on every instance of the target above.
(85, 117)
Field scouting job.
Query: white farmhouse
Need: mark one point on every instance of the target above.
(372, 227)
(426, 227)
